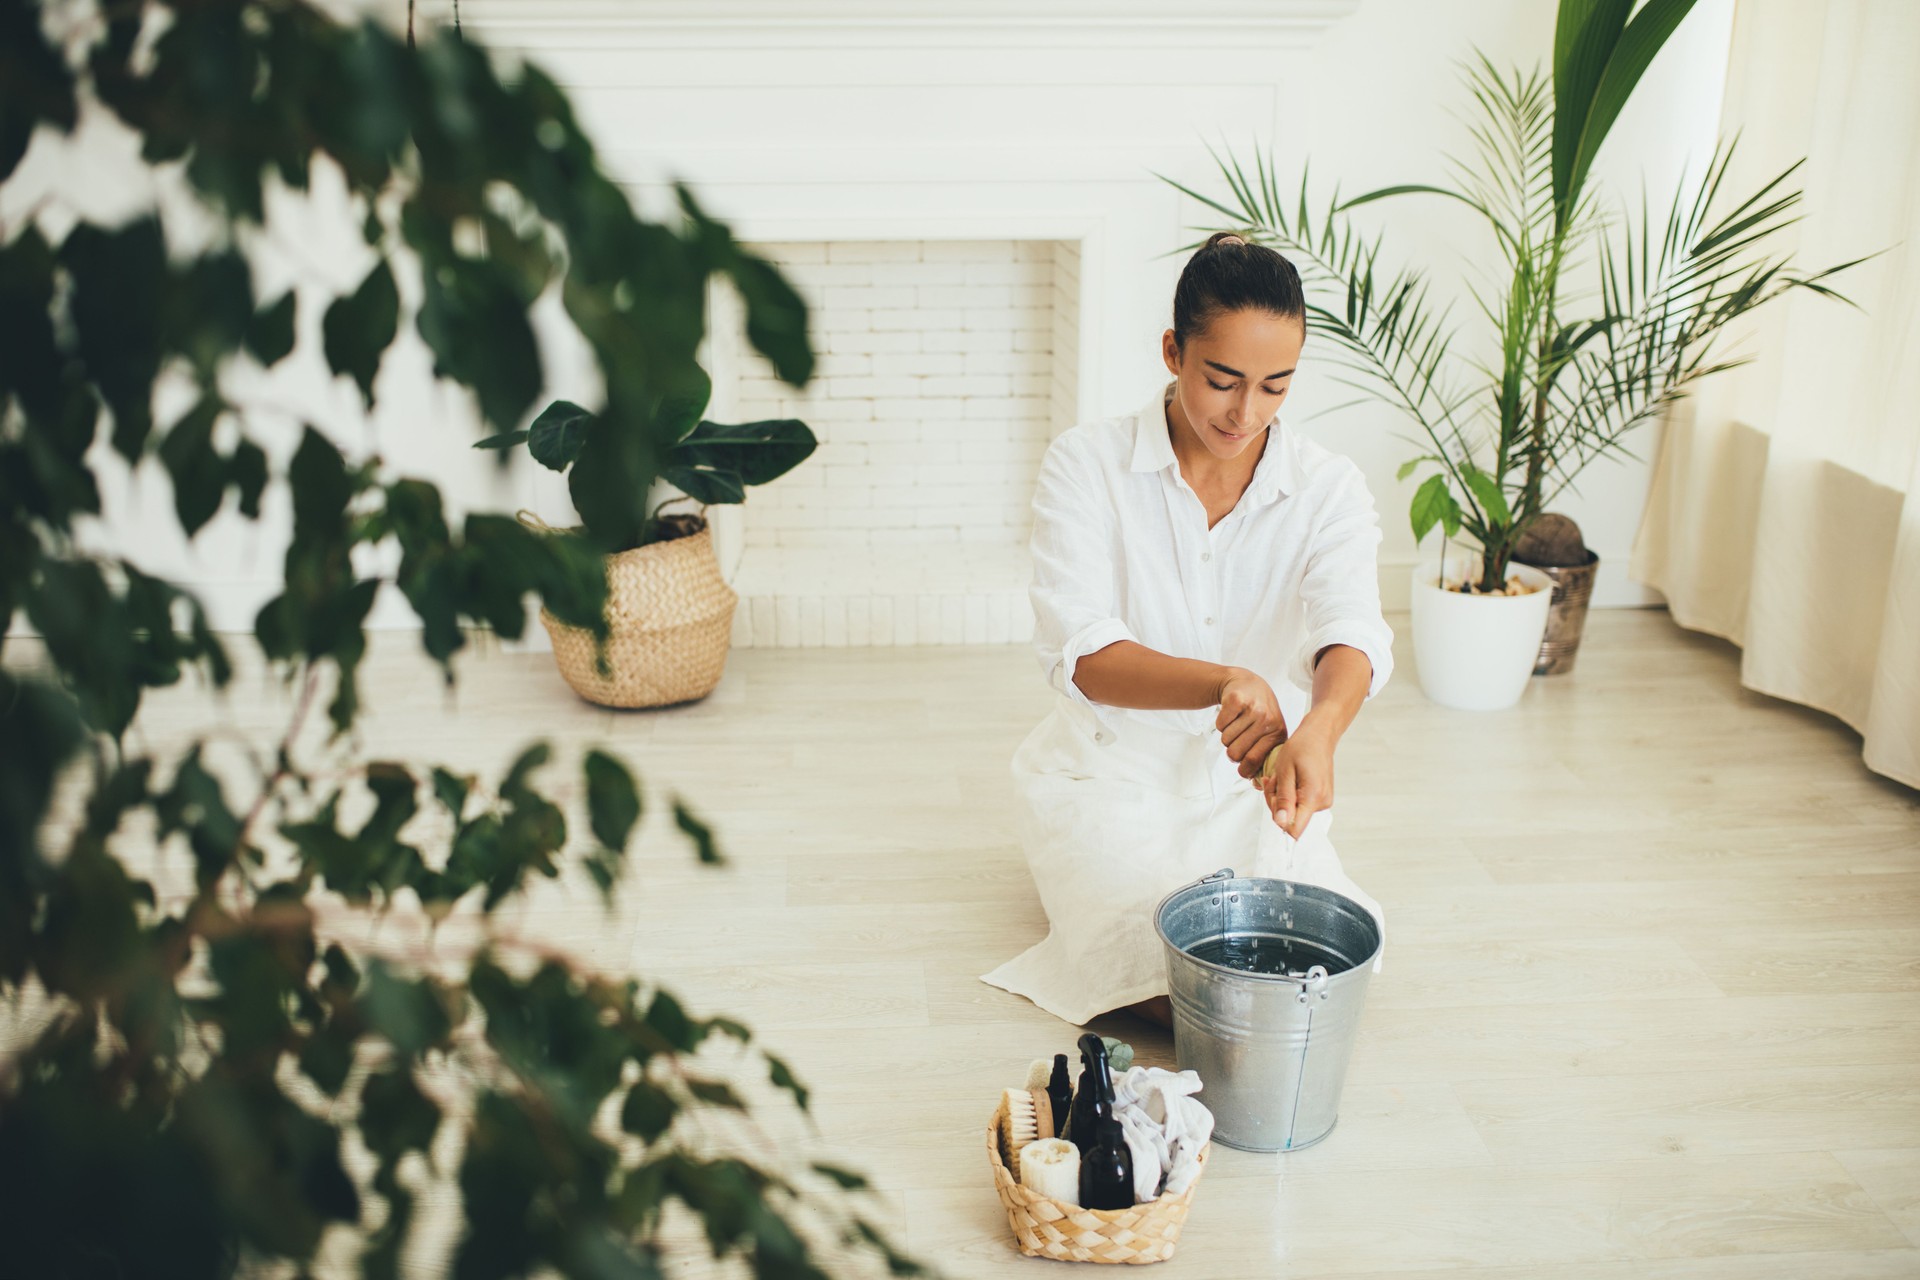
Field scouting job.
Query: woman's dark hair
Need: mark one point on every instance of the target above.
(1230, 273)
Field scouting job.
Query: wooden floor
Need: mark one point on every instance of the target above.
(1651, 1007)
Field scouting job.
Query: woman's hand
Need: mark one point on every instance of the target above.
(1250, 721)
(1300, 782)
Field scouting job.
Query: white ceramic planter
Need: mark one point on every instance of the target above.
(1476, 653)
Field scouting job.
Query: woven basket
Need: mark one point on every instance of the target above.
(1048, 1229)
(670, 615)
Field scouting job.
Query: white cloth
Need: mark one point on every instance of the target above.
(1148, 1146)
(1119, 806)
(1159, 1106)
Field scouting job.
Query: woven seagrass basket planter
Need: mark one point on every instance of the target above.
(670, 620)
(1045, 1228)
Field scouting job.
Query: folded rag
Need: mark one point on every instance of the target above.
(1158, 1105)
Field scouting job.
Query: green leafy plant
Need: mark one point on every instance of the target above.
(709, 462)
(1575, 373)
(201, 1019)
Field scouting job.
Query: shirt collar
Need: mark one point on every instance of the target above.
(1276, 474)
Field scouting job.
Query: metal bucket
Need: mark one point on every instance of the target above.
(1270, 1049)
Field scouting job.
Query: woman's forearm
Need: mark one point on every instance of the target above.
(1341, 676)
(1128, 674)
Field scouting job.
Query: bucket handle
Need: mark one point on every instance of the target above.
(1224, 873)
(1314, 985)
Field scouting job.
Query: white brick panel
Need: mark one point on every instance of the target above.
(936, 391)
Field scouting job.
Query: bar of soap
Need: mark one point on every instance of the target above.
(1051, 1168)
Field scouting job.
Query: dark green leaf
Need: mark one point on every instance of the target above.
(395, 1117)
(270, 335)
(196, 805)
(610, 478)
(680, 414)
(696, 831)
(715, 1093)
(30, 364)
(783, 1078)
(1487, 490)
(476, 326)
(505, 440)
(408, 1011)
(727, 1026)
(342, 981)
(1428, 501)
(712, 487)
(198, 472)
(210, 310)
(647, 1112)
(556, 436)
(613, 801)
(451, 789)
(359, 328)
(327, 1059)
(666, 1017)
(247, 470)
(756, 451)
(120, 288)
(514, 785)
(847, 1179)
(776, 315)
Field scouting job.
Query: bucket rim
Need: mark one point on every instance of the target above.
(1217, 881)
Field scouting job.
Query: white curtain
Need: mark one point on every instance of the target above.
(1784, 513)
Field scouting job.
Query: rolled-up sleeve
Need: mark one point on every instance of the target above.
(1340, 592)
(1073, 571)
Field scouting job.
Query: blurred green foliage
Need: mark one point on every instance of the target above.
(191, 1064)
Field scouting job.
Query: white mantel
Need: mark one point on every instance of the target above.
(965, 119)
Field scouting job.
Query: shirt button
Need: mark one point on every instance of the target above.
(1206, 555)
(1100, 737)
(1209, 621)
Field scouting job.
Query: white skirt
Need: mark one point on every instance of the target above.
(1112, 828)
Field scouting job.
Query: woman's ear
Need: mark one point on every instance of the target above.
(1170, 352)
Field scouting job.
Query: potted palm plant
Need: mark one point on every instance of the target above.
(669, 610)
(1577, 370)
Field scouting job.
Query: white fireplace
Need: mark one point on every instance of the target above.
(945, 367)
(965, 191)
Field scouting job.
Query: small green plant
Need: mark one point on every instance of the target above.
(1568, 386)
(710, 462)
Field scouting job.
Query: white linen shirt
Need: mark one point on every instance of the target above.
(1121, 551)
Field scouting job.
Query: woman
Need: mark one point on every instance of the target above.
(1196, 569)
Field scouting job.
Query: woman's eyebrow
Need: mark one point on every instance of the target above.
(1237, 374)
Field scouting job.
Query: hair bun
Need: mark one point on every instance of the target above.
(1225, 237)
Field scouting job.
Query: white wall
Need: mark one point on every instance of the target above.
(1034, 120)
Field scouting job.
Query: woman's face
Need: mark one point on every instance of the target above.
(1234, 376)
